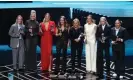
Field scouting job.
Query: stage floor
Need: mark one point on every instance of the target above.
(6, 73)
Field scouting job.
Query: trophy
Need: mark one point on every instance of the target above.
(32, 31)
(21, 30)
(103, 38)
(81, 35)
(117, 39)
(60, 31)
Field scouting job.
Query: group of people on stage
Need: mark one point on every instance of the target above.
(97, 39)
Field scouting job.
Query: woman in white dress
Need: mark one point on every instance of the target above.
(90, 44)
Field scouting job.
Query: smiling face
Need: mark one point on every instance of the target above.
(62, 21)
(33, 16)
(117, 23)
(47, 17)
(102, 21)
(76, 23)
(89, 19)
(19, 20)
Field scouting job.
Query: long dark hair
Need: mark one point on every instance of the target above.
(16, 22)
(45, 15)
(65, 22)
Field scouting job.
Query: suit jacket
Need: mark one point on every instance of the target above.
(107, 34)
(74, 34)
(35, 28)
(121, 34)
(15, 33)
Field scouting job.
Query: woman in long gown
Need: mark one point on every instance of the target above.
(31, 31)
(90, 47)
(47, 30)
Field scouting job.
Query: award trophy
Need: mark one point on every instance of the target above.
(60, 31)
(103, 38)
(117, 39)
(21, 30)
(32, 31)
(81, 35)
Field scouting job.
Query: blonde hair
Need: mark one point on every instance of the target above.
(106, 22)
(16, 22)
(93, 21)
(76, 20)
(33, 12)
(65, 21)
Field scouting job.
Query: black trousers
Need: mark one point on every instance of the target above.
(30, 55)
(61, 47)
(76, 50)
(101, 49)
(118, 58)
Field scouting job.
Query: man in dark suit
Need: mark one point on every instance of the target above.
(118, 37)
(103, 38)
(16, 33)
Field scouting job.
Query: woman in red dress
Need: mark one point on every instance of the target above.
(47, 30)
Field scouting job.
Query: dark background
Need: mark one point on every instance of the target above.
(8, 16)
(127, 21)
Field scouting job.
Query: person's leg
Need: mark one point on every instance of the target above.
(122, 62)
(107, 57)
(51, 63)
(15, 57)
(33, 63)
(21, 55)
(73, 54)
(27, 53)
(116, 61)
(64, 57)
(100, 60)
(88, 57)
(79, 53)
(58, 53)
(93, 46)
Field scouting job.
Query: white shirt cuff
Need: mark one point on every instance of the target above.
(78, 38)
(112, 42)
(121, 40)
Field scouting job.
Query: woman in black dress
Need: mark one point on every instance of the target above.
(31, 30)
(61, 44)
